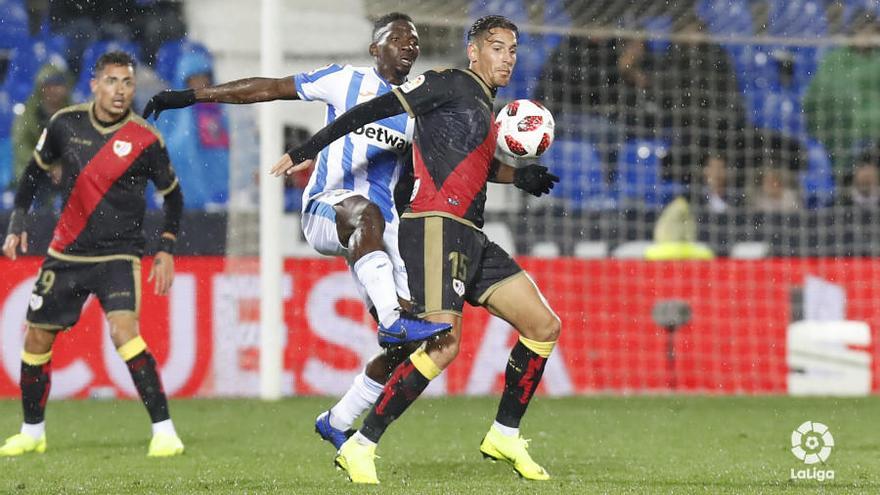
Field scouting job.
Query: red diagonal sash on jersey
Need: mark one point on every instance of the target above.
(460, 187)
(96, 178)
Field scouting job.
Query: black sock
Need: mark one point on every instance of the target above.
(35, 382)
(149, 386)
(402, 389)
(524, 370)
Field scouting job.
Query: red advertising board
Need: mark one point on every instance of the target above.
(206, 334)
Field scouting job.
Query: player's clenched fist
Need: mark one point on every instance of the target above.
(169, 99)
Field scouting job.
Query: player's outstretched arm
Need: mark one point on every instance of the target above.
(301, 157)
(250, 90)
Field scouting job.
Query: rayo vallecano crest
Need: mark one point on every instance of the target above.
(121, 148)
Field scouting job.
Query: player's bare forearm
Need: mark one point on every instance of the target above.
(501, 172)
(249, 90)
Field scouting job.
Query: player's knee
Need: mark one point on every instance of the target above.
(371, 221)
(549, 329)
(123, 327)
(38, 341)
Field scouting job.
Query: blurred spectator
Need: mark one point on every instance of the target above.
(51, 93)
(684, 85)
(716, 194)
(197, 138)
(864, 188)
(842, 103)
(776, 195)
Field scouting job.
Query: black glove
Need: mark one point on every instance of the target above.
(302, 153)
(169, 99)
(534, 179)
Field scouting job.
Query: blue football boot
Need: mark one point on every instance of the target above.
(329, 433)
(410, 328)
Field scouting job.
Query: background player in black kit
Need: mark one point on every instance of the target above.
(448, 258)
(106, 154)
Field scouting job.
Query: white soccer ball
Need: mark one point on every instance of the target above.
(525, 129)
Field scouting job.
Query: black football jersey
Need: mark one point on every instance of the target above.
(454, 141)
(105, 169)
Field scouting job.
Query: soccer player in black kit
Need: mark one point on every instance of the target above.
(106, 154)
(448, 258)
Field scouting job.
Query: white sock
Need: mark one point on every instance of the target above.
(376, 272)
(506, 430)
(34, 431)
(359, 397)
(362, 439)
(164, 427)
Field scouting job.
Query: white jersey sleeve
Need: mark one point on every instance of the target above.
(327, 84)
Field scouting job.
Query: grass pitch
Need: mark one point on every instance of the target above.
(589, 445)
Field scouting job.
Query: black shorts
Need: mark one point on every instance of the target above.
(63, 286)
(449, 261)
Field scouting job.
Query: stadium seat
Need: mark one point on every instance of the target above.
(13, 24)
(6, 116)
(582, 183)
(639, 174)
(726, 17)
(750, 250)
(817, 182)
(797, 18)
(81, 91)
(545, 249)
(23, 67)
(631, 250)
(499, 233)
(591, 249)
(169, 53)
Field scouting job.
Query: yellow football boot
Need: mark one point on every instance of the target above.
(22, 443)
(358, 461)
(500, 447)
(165, 445)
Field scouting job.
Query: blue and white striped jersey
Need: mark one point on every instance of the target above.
(367, 160)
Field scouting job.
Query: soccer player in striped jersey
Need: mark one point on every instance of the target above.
(449, 259)
(348, 207)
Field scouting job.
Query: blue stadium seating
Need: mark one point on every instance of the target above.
(726, 17)
(13, 24)
(817, 182)
(81, 91)
(852, 8)
(797, 18)
(6, 117)
(639, 173)
(582, 183)
(169, 53)
(25, 64)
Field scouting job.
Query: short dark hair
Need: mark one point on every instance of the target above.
(487, 23)
(113, 58)
(387, 19)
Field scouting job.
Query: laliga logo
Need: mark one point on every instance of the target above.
(811, 442)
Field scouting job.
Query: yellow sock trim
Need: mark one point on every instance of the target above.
(424, 364)
(542, 349)
(132, 348)
(36, 359)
